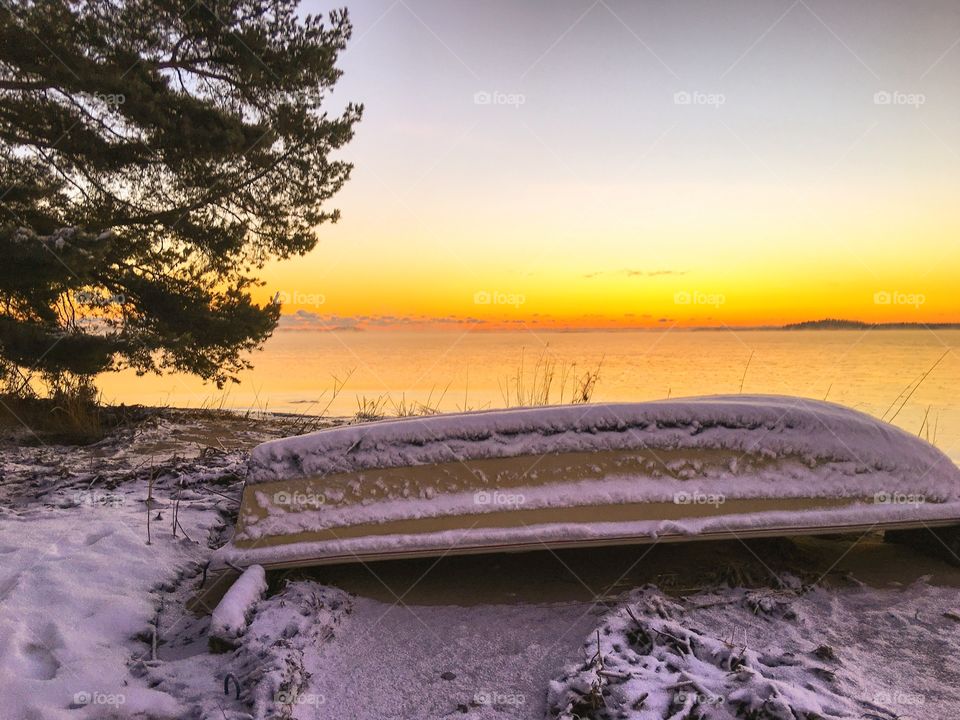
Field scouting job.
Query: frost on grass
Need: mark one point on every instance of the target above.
(267, 675)
(649, 661)
(270, 661)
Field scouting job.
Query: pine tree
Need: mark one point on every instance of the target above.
(154, 154)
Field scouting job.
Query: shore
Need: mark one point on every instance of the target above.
(93, 619)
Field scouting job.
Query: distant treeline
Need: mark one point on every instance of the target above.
(833, 324)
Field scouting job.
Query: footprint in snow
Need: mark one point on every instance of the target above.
(94, 538)
(40, 662)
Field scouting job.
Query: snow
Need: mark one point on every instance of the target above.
(82, 593)
(230, 616)
(80, 588)
(859, 515)
(716, 449)
(285, 631)
(426, 661)
(645, 659)
(446, 653)
(68, 610)
(797, 652)
(756, 426)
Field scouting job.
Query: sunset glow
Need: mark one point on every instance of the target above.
(760, 164)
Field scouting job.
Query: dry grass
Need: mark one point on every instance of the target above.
(69, 411)
(549, 382)
(925, 426)
(419, 409)
(369, 409)
(384, 406)
(308, 422)
(65, 419)
(72, 411)
(909, 390)
(903, 398)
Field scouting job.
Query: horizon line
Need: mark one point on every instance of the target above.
(477, 325)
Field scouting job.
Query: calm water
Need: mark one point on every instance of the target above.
(865, 370)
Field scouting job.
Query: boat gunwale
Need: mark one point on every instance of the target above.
(583, 543)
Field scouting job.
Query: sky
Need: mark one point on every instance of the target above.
(610, 164)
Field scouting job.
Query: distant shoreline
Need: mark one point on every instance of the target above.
(831, 324)
(827, 324)
(806, 325)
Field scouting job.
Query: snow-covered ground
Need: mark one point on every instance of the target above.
(769, 654)
(80, 587)
(826, 626)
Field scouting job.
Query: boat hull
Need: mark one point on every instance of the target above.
(574, 477)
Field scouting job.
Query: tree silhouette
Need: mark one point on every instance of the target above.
(154, 154)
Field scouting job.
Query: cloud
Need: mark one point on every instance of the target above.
(307, 320)
(633, 273)
(304, 320)
(654, 273)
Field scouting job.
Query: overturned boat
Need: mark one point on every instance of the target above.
(585, 475)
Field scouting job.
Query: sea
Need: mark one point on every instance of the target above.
(909, 377)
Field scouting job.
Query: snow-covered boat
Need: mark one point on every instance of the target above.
(585, 475)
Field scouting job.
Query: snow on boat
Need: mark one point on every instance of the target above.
(585, 475)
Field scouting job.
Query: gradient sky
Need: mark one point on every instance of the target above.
(588, 193)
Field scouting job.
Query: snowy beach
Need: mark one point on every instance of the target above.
(94, 621)
(418, 359)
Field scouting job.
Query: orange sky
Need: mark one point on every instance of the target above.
(563, 175)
